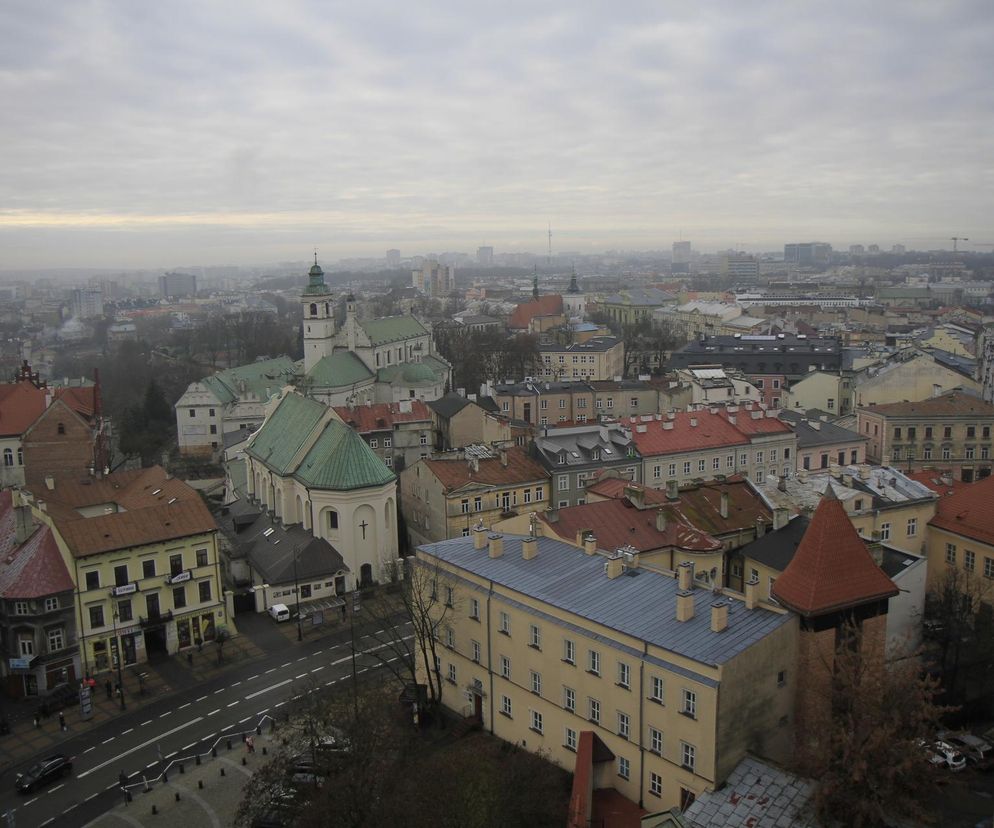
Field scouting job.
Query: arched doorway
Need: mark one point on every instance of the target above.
(365, 576)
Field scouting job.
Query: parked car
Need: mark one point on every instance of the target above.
(280, 612)
(948, 756)
(977, 751)
(43, 772)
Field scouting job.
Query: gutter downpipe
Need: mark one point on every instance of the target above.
(645, 653)
(490, 664)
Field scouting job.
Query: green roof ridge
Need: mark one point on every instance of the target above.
(341, 460)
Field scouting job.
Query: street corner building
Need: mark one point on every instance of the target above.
(141, 550)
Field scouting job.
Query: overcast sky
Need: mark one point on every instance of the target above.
(151, 134)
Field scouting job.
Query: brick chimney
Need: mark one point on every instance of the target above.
(503, 458)
(760, 527)
(529, 548)
(752, 593)
(672, 490)
(781, 517)
(496, 545)
(24, 524)
(684, 605)
(685, 572)
(589, 545)
(723, 509)
(614, 566)
(479, 536)
(660, 520)
(719, 616)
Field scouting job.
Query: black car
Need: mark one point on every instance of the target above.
(43, 772)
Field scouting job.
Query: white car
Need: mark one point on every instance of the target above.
(280, 612)
(977, 751)
(943, 753)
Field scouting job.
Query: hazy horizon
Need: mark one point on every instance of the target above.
(239, 133)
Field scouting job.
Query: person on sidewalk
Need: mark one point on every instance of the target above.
(110, 689)
(250, 744)
(122, 779)
(62, 722)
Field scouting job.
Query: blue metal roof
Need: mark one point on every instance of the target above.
(642, 605)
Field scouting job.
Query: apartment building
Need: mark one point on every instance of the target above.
(598, 358)
(550, 402)
(631, 306)
(632, 398)
(961, 535)
(37, 613)
(141, 548)
(459, 421)
(951, 431)
(399, 433)
(445, 497)
(712, 443)
(542, 639)
(573, 456)
(821, 443)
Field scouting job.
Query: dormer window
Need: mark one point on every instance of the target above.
(562, 459)
(595, 454)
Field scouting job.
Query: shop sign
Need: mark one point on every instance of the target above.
(20, 663)
(180, 577)
(126, 589)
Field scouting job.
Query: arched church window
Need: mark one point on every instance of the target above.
(332, 519)
(314, 308)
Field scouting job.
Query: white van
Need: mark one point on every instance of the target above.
(280, 612)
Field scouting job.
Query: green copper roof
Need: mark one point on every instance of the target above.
(285, 431)
(257, 377)
(392, 329)
(342, 368)
(315, 281)
(341, 460)
(413, 373)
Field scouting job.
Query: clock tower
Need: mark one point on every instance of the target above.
(319, 322)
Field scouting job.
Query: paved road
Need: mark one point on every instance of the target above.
(182, 725)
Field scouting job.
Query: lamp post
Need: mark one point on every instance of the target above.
(296, 589)
(120, 655)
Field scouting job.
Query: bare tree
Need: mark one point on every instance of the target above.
(879, 717)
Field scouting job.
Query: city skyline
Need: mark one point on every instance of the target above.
(233, 134)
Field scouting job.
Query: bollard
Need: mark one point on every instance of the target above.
(181, 768)
(177, 796)
(128, 796)
(154, 810)
(214, 752)
(198, 759)
(165, 776)
(229, 744)
(264, 751)
(200, 784)
(244, 761)
(258, 730)
(243, 738)
(222, 771)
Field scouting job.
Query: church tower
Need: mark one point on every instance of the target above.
(319, 321)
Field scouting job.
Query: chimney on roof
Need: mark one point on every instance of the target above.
(760, 527)
(876, 550)
(614, 566)
(496, 545)
(719, 616)
(781, 517)
(757, 415)
(685, 573)
(668, 425)
(752, 593)
(693, 422)
(847, 479)
(479, 536)
(24, 524)
(529, 548)
(684, 605)
(732, 419)
(864, 471)
(672, 490)
(782, 483)
(636, 495)
(723, 508)
(589, 545)
(802, 475)
(660, 520)
(835, 470)
(474, 463)
(815, 424)
(503, 458)
(50, 483)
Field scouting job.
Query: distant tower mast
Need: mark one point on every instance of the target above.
(549, 260)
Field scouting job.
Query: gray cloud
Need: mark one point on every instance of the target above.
(241, 132)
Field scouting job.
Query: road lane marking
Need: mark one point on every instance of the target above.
(163, 715)
(201, 698)
(92, 796)
(90, 748)
(262, 712)
(267, 689)
(171, 755)
(270, 670)
(143, 745)
(151, 765)
(236, 684)
(280, 704)
(285, 665)
(31, 800)
(53, 790)
(236, 701)
(127, 731)
(183, 705)
(317, 652)
(298, 678)
(227, 727)
(46, 822)
(302, 658)
(214, 711)
(105, 741)
(145, 723)
(187, 747)
(242, 721)
(220, 691)
(317, 668)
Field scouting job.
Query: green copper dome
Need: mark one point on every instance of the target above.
(315, 283)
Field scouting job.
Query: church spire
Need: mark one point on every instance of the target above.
(315, 279)
(573, 286)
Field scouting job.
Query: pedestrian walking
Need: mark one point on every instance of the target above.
(109, 688)
(62, 721)
(343, 610)
(250, 744)
(122, 778)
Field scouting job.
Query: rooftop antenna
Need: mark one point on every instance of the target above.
(549, 260)
(315, 255)
(955, 239)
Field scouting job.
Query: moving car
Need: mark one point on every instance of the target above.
(43, 772)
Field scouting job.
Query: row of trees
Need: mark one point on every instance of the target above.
(478, 356)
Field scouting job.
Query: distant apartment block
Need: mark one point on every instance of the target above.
(173, 285)
(434, 279)
(807, 254)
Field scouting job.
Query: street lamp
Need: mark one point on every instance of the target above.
(296, 585)
(120, 655)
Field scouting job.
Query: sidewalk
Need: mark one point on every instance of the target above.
(170, 675)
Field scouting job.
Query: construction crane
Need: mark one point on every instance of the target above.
(955, 239)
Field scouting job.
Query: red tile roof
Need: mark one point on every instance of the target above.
(21, 403)
(698, 506)
(750, 425)
(381, 416)
(933, 479)
(520, 468)
(147, 514)
(968, 511)
(33, 569)
(551, 305)
(617, 523)
(832, 568)
(951, 404)
(710, 431)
